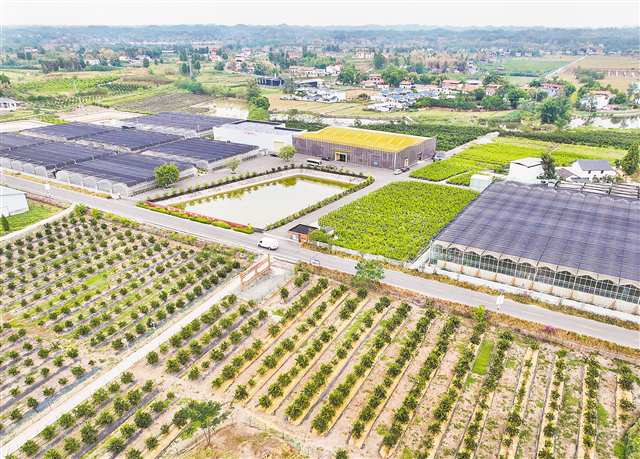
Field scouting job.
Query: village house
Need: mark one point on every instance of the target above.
(596, 99)
(552, 89)
(452, 85)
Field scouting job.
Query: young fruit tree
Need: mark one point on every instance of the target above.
(368, 273)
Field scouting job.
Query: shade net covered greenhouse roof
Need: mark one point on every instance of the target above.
(584, 231)
(197, 123)
(132, 139)
(70, 131)
(364, 138)
(128, 168)
(54, 155)
(207, 150)
(8, 141)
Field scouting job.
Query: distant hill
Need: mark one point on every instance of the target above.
(440, 38)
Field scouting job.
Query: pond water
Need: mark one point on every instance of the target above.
(622, 122)
(265, 203)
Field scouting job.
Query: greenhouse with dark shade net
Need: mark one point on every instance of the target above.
(124, 174)
(10, 141)
(67, 131)
(128, 140)
(203, 153)
(572, 244)
(185, 124)
(45, 158)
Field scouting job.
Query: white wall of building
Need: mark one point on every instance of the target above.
(525, 171)
(264, 136)
(12, 201)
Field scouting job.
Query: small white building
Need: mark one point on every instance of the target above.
(12, 201)
(8, 105)
(596, 99)
(525, 170)
(479, 182)
(267, 135)
(589, 169)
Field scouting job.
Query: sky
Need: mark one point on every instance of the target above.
(563, 13)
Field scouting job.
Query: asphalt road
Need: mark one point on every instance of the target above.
(291, 251)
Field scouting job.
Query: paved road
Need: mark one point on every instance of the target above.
(290, 251)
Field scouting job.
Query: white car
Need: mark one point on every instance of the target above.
(268, 243)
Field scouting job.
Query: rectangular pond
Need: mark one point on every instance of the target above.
(264, 203)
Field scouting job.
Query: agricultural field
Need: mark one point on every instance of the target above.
(398, 220)
(532, 66)
(349, 110)
(447, 136)
(162, 99)
(332, 367)
(612, 68)
(496, 156)
(37, 211)
(81, 291)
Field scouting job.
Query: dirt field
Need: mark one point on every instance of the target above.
(238, 441)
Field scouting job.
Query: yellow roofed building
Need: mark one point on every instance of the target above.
(365, 147)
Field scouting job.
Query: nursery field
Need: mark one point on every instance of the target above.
(37, 211)
(82, 290)
(67, 90)
(398, 220)
(496, 156)
(331, 368)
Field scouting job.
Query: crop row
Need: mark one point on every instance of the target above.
(396, 221)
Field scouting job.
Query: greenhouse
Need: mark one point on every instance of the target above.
(365, 147)
(570, 244)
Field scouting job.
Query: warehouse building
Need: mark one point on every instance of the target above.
(202, 153)
(365, 147)
(267, 135)
(67, 131)
(580, 245)
(44, 159)
(121, 174)
(182, 124)
(127, 140)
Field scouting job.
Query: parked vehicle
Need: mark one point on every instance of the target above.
(397, 171)
(268, 243)
(314, 162)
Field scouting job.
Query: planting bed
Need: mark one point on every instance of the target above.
(82, 290)
(333, 367)
(497, 155)
(398, 220)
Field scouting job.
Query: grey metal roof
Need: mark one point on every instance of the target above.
(594, 165)
(571, 229)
